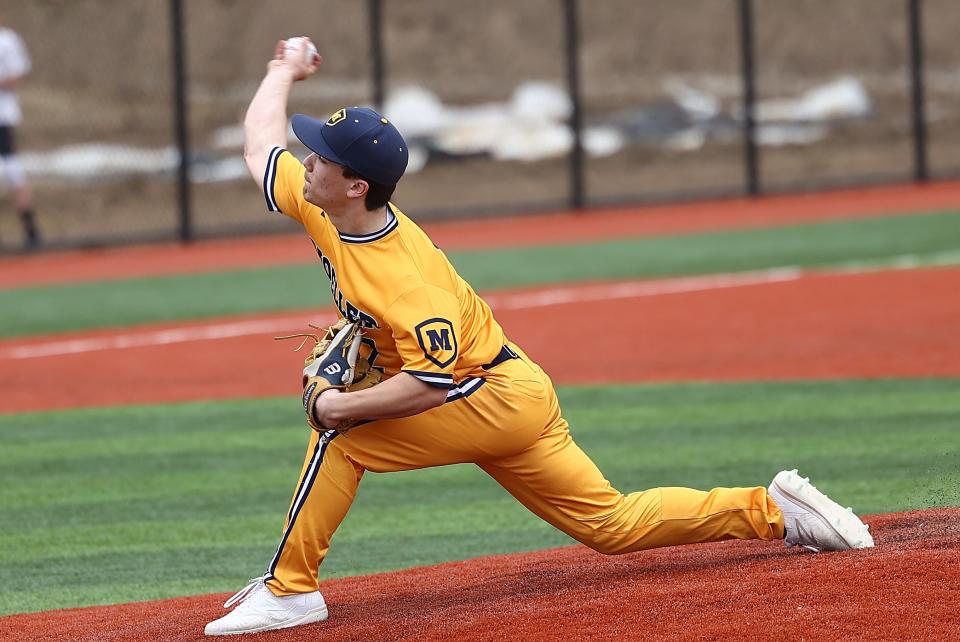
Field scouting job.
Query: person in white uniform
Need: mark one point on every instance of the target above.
(14, 66)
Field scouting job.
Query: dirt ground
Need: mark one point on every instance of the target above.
(904, 589)
(108, 79)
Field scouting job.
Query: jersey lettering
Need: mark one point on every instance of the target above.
(374, 353)
(349, 311)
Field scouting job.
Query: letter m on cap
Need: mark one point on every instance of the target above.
(438, 341)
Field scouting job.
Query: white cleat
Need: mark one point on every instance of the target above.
(813, 520)
(260, 610)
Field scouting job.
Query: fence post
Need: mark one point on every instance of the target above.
(576, 117)
(375, 13)
(920, 170)
(180, 119)
(749, 98)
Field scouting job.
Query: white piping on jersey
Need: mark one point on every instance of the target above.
(444, 380)
(392, 223)
(465, 389)
(269, 177)
(306, 485)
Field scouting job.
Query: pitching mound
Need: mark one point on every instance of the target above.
(906, 588)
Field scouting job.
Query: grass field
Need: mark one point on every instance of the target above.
(129, 503)
(134, 503)
(925, 238)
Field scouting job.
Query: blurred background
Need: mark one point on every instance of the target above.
(509, 107)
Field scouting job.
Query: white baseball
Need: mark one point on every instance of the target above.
(291, 45)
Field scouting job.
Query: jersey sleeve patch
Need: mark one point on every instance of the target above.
(438, 341)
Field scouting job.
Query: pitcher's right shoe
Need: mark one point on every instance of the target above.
(813, 520)
(261, 610)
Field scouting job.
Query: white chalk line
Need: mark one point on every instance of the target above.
(498, 301)
(636, 289)
(501, 301)
(162, 337)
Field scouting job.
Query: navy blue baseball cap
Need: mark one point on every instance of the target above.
(358, 138)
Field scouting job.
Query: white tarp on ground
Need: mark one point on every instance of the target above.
(531, 125)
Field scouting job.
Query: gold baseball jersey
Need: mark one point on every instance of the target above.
(418, 315)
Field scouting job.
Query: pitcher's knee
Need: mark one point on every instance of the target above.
(620, 532)
(605, 547)
(607, 543)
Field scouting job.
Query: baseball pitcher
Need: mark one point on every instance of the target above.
(419, 373)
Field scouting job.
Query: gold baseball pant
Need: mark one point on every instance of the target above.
(509, 424)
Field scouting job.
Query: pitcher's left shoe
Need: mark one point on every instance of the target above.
(261, 610)
(813, 520)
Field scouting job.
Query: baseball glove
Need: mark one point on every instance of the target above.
(339, 360)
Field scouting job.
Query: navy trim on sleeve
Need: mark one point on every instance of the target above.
(466, 388)
(270, 177)
(438, 379)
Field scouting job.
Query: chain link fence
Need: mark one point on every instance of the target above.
(483, 93)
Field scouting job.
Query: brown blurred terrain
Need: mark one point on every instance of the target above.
(102, 74)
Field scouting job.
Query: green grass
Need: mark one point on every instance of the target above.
(930, 237)
(135, 503)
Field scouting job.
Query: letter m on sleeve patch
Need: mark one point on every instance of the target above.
(438, 342)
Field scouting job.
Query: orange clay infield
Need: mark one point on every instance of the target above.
(907, 588)
(813, 326)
